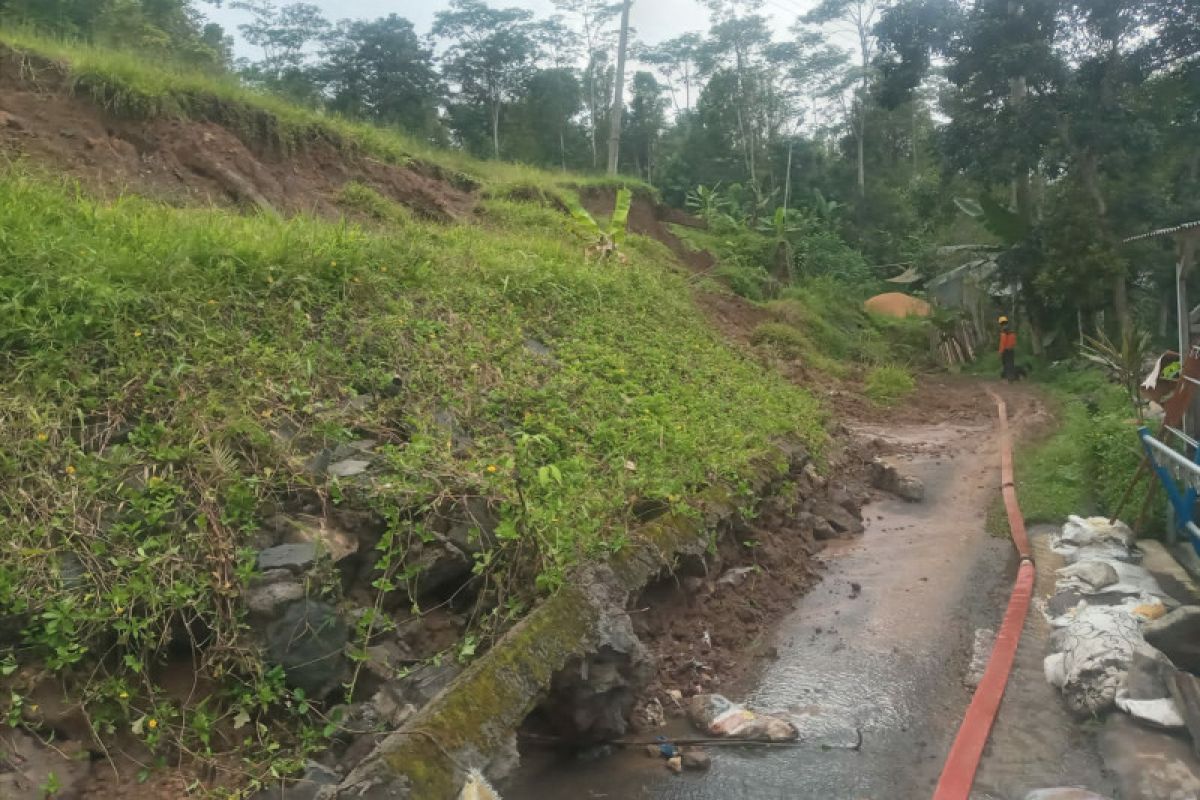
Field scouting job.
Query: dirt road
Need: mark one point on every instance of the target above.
(880, 646)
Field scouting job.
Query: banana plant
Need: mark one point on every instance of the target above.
(606, 239)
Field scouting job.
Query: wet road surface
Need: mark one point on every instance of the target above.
(880, 646)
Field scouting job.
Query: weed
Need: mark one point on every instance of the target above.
(889, 384)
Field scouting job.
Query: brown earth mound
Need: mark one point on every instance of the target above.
(45, 119)
(898, 304)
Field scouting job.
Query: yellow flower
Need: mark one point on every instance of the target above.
(137, 334)
(270, 279)
(41, 437)
(124, 695)
(212, 302)
(491, 468)
(152, 724)
(383, 269)
(333, 263)
(70, 470)
(120, 609)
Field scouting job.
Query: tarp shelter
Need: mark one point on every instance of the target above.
(898, 304)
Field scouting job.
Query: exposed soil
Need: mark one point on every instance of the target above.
(647, 218)
(43, 119)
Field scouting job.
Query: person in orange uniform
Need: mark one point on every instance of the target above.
(1008, 350)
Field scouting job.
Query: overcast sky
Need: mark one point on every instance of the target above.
(654, 20)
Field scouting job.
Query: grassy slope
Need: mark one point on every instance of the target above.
(167, 372)
(128, 86)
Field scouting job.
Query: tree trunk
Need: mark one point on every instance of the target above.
(592, 109)
(614, 130)
(496, 129)
(862, 169)
(562, 148)
(787, 180)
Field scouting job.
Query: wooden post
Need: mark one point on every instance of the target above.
(1187, 251)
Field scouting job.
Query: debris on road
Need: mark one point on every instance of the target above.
(1064, 793)
(981, 651)
(716, 715)
(695, 759)
(887, 477)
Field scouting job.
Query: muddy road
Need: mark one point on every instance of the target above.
(880, 648)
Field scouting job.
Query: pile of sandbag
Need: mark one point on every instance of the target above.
(1100, 658)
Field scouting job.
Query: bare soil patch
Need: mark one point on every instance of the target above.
(183, 161)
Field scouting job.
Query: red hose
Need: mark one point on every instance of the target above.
(959, 772)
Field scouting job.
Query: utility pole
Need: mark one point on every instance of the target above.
(614, 130)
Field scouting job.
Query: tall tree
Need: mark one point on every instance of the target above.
(647, 118)
(594, 19)
(675, 59)
(380, 70)
(492, 54)
(285, 34)
(858, 17)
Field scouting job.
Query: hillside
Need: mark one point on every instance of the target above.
(252, 355)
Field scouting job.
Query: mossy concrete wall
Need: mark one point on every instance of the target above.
(469, 722)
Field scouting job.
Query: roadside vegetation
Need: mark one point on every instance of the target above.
(1082, 460)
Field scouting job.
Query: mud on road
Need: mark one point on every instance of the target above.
(880, 647)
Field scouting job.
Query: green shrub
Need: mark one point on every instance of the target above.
(889, 384)
(365, 200)
(786, 339)
(1084, 466)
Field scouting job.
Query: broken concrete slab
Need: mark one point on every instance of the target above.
(886, 476)
(1148, 764)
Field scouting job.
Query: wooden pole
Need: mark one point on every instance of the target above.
(1187, 251)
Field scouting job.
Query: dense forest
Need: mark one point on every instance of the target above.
(1047, 128)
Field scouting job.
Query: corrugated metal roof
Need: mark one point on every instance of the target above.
(1186, 226)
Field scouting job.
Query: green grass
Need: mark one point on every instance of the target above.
(889, 384)
(167, 373)
(1084, 465)
(126, 85)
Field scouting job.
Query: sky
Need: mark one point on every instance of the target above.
(653, 20)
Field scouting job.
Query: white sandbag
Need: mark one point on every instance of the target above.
(1093, 654)
(1146, 691)
(1094, 537)
(1080, 531)
(1108, 576)
(1086, 576)
(1162, 712)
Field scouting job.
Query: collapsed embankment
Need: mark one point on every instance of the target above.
(276, 478)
